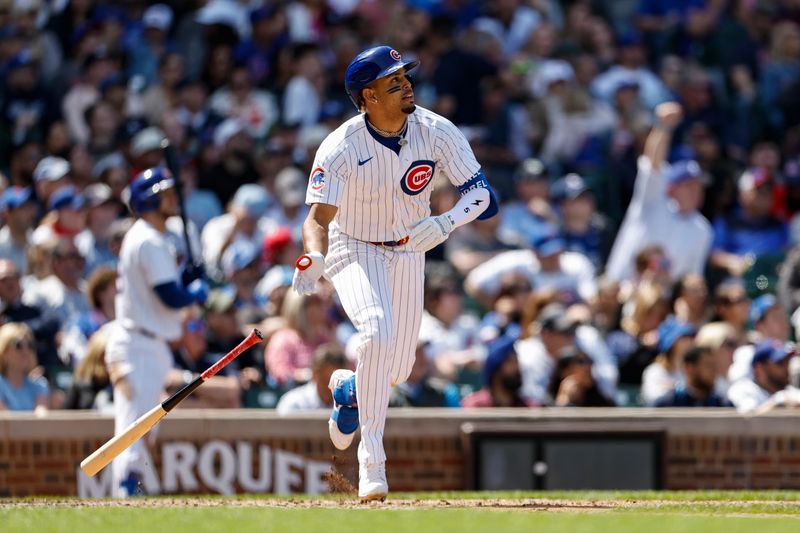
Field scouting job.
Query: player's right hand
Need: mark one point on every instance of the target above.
(191, 272)
(308, 269)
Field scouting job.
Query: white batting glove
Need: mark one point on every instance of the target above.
(430, 232)
(308, 269)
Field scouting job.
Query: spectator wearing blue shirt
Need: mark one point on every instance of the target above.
(143, 58)
(749, 232)
(18, 391)
(782, 71)
(527, 216)
(583, 229)
(259, 54)
(700, 372)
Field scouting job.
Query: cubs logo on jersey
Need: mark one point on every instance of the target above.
(417, 177)
(317, 178)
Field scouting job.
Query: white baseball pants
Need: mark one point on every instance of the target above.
(145, 362)
(381, 290)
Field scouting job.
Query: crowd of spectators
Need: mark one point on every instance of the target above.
(646, 154)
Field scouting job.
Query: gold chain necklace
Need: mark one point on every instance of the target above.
(385, 133)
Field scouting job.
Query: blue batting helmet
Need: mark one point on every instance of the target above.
(144, 189)
(370, 65)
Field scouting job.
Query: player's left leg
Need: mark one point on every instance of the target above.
(407, 279)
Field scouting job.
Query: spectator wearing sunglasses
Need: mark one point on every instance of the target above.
(18, 391)
(732, 305)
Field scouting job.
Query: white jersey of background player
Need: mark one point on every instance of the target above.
(368, 230)
(149, 297)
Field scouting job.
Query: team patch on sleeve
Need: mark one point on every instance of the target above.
(417, 177)
(317, 180)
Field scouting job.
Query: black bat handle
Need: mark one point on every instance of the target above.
(172, 164)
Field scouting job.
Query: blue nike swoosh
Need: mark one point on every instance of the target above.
(360, 162)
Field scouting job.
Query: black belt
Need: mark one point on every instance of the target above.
(400, 242)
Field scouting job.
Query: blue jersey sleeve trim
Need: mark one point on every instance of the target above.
(479, 180)
(173, 295)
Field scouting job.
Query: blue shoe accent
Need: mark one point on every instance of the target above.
(133, 484)
(345, 392)
(346, 419)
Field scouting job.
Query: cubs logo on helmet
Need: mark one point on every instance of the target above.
(417, 177)
(317, 178)
(395, 54)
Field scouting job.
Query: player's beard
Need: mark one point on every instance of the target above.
(408, 109)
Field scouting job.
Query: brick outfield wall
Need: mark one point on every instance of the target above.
(703, 449)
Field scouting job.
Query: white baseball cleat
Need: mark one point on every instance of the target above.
(372, 484)
(343, 423)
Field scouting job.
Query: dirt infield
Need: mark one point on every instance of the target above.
(349, 502)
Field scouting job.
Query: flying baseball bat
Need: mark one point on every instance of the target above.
(119, 443)
(172, 164)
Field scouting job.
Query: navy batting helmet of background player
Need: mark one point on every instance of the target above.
(142, 194)
(370, 65)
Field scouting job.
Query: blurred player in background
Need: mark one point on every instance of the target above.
(149, 298)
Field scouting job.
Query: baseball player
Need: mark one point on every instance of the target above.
(149, 298)
(367, 231)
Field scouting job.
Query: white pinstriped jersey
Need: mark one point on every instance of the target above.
(381, 194)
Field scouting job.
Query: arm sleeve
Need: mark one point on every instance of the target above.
(471, 205)
(480, 181)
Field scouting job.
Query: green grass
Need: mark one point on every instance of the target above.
(652, 512)
(677, 496)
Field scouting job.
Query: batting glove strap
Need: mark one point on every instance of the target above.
(445, 223)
